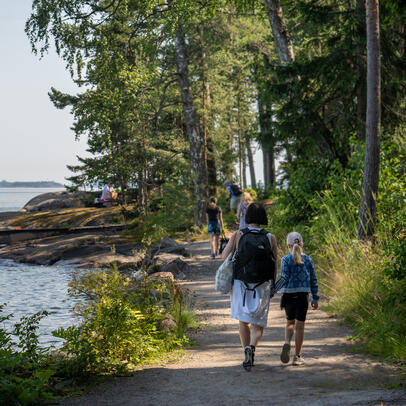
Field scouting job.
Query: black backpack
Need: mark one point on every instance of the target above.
(254, 261)
(235, 190)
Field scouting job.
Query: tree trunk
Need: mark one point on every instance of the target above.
(203, 66)
(361, 71)
(240, 144)
(123, 186)
(367, 213)
(196, 150)
(209, 153)
(269, 166)
(267, 144)
(244, 165)
(280, 32)
(251, 163)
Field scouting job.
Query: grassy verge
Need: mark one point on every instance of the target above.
(364, 282)
(125, 323)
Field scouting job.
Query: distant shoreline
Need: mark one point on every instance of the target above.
(40, 184)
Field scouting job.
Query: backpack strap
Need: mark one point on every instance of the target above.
(253, 289)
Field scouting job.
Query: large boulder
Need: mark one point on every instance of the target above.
(168, 262)
(168, 246)
(57, 200)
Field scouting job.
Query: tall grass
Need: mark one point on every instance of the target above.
(353, 276)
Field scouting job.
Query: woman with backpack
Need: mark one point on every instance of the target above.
(246, 200)
(254, 271)
(234, 194)
(214, 218)
(297, 280)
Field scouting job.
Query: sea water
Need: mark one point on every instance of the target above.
(15, 198)
(28, 289)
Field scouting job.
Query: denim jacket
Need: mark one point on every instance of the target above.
(297, 277)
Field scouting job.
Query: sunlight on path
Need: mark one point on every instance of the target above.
(210, 373)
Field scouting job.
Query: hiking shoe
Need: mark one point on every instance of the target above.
(253, 353)
(298, 360)
(213, 256)
(285, 354)
(247, 364)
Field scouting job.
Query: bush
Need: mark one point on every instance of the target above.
(25, 372)
(121, 323)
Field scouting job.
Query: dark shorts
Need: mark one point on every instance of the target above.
(213, 228)
(295, 305)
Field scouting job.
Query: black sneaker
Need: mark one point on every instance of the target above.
(247, 364)
(253, 354)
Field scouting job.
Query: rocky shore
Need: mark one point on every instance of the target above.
(87, 249)
(100, 251)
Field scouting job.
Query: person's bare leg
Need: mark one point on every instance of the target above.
(212, 244)
(244, 330)
(216, 243)
(299, 337)
(289, 330)
(256, 334)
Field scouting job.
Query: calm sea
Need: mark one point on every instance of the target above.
(28, 289)
(13, 199)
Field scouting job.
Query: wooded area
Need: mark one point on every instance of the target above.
(178, 90)
(175, 95)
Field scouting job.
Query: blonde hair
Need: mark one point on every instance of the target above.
(293, 240)
(246, 198)
(297, 253)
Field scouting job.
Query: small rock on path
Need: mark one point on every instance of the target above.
(210, 373)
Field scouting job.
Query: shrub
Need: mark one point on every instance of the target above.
(25, 371)
(121, 323)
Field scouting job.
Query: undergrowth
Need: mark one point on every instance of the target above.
(125, 323)
(364, 281)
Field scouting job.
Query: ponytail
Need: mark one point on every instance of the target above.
(297, 253)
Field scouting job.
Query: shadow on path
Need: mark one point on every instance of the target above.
(210, 373)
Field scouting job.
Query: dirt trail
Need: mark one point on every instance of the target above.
(210, 373)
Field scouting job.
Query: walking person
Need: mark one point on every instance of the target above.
(214, 218)
(234, 194)
(297, 280)
(246, 200)
(254, 271)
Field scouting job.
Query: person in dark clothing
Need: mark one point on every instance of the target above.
(215, 225)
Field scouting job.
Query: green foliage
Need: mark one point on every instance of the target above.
(121, 323)
(365, 282)
(252, 192)
(173, 214)
(25, 372)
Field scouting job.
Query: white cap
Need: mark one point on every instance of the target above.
(294, 238)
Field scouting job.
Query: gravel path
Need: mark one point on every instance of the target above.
(210, 373)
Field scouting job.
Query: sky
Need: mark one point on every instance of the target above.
(36, 142)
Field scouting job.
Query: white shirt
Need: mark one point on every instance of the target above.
(106, 193)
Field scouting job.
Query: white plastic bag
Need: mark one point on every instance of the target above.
(224, 275)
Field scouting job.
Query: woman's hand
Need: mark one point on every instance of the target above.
(315, 305)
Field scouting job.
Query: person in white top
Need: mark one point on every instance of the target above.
(250, 301)
(108, 195)
(246, 200)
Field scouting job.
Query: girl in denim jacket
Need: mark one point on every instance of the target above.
(297, 280)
